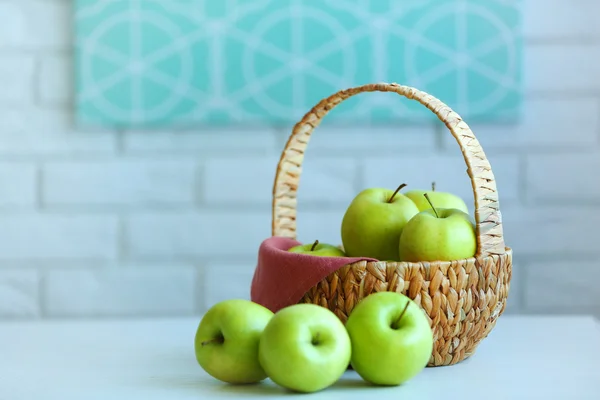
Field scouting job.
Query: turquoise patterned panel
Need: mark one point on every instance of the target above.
(178, 62)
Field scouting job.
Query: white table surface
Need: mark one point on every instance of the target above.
(523, 358)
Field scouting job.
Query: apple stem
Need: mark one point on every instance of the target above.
(217, 340)
(314, 245)
(433, 186)
(431, 204)
(402, 313)
(396, 192)
(315, 340)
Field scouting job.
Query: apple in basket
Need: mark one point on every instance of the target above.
(440, 199)
(373, 223)
(391, 338)
(305, 348)
(438, 234)
(318, 249)
(227, 339)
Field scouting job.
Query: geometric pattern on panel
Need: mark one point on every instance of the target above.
(156, 63)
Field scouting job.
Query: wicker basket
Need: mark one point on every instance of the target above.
(462, 298)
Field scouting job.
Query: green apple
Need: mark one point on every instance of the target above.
(441, 199)
(305, 348)
(318, 249)
(392, 340)
(227, 338)
(438, 234)
(373, 222)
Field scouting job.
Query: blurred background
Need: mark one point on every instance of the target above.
(139, 139)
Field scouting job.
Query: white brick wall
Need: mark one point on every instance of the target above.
(140, 291)
(15, 79)
(214, 141)
(227, 179)
(123, 182)
(36, 133)
(19, 294)
(560, 20)
(547, 123)
(209, 233)
(55, 83)
(226, 281)
(567, 68)
(569, 177)
(321, 224)
(35, 24)
(104, 223)
(556, 231)
(38, 237)
(563, 287)
(370, 139)
(18, 184)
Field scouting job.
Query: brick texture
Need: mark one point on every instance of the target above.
(34, 133)
(547, 72)
(563, 286)
(560, 20)
(359, 140)
(195, 234)
(38, 237)
(203, 141)
(566, 178)
(550, 231)
(35, 24)
(226, 281)
(16, 79)
(326, 181)
(18, 184)
(546, 124)
(165, 290)
(19, 294)
(55, 86)
(120, 182)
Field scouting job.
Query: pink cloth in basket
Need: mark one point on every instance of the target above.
(281, 278)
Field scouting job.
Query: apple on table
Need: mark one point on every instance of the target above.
(373, 223)
(305, 348)
(438, 234)
(318, 249)
(227, 340)
(391, 338)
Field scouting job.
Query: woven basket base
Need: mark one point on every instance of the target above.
(462, 299)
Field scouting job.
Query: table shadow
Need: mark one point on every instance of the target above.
(266, 388)
(206, 385)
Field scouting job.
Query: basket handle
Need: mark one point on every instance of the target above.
(487, 213)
